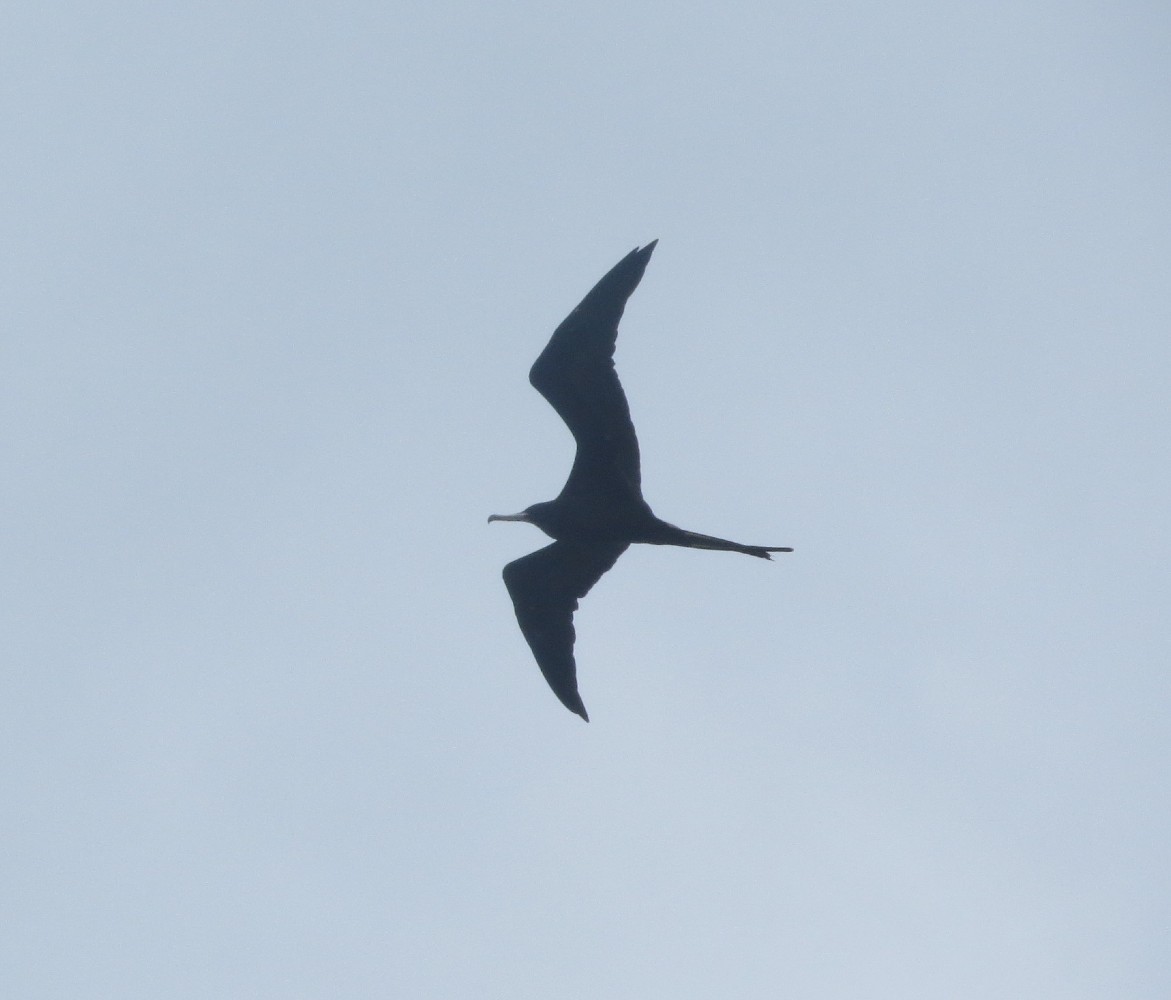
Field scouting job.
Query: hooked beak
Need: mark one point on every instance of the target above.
(522, 516)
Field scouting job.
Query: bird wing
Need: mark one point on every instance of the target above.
(575, 373)
(545, 586)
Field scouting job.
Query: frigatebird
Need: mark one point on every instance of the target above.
(600, 510)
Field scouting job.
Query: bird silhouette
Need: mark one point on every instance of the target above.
(600, 510)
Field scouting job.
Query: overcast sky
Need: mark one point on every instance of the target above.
(273, 276)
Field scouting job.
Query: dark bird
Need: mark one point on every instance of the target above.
(600, 510)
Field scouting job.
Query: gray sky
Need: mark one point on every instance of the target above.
(273, 275)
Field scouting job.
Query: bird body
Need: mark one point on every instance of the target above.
(600, 510)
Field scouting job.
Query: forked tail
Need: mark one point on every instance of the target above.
(669, 534)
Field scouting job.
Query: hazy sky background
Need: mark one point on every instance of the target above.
(273, 276)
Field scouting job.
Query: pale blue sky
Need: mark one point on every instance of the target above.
(273, 276)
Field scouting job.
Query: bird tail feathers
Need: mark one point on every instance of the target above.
(694, 540)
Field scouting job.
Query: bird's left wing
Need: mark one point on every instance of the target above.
(545, 586)
(575, 373)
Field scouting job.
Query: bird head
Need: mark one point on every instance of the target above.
(540, 514)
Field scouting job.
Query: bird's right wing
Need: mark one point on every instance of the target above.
(575, 373)
(545, 586)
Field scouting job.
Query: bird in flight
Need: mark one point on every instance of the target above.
(600, 510)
